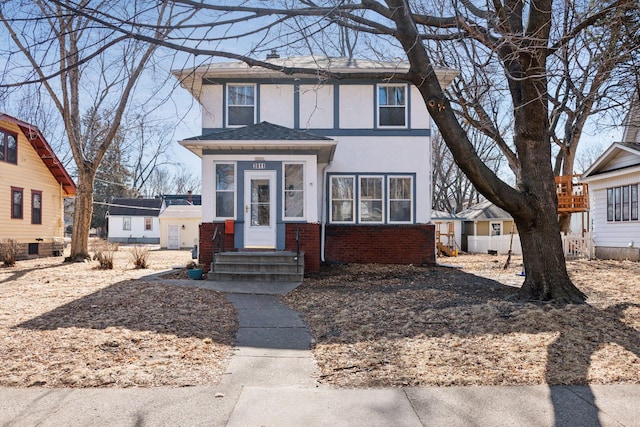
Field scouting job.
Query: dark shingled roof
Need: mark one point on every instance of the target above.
(483, 210)
(264, 131)
(182, 199)
(135, 207)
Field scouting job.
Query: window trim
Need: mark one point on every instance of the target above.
(124, 223)
(15, 190)
(412, 192)
(303, 191)
(354, 199)
(33, 209)
(215, 191)
(405, 87)
(382, 200)
(228, 103)
(4, 146)
(491, 229)
(622, 203)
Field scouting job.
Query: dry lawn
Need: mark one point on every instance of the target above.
(73, 325)
(379, 326)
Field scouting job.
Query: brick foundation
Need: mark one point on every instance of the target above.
(206, 245)
(309, 244)
(384, 244)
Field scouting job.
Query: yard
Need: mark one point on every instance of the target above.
(73, 325)
(412, 326)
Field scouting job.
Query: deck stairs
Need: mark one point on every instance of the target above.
(257, 266)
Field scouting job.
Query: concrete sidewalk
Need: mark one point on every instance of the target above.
(270, 381)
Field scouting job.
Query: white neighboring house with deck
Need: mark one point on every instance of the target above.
(614, 182)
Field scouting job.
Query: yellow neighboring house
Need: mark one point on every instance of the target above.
(33, 185)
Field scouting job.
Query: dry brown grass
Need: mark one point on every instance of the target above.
(74, 325)
(409, 326)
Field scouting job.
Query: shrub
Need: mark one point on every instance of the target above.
(8, 252)
(140, 256)
(104, 254)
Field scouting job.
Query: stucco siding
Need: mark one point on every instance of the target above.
(212, 106)
(276, 104)
(316, 106)
(356, 106)
(29, 174)
(420, 118)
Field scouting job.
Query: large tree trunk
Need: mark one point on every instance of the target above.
(82, 215)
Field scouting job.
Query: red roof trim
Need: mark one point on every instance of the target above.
(44, 150)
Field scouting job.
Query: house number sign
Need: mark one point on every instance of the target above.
(259, 165)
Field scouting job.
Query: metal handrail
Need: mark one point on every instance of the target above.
(297, 249)
(219, 236)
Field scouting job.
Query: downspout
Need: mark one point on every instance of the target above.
(323, 218)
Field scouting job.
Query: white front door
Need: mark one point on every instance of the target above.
(173, 234)
(260, 209)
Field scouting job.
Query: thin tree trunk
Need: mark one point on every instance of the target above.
(82, 215)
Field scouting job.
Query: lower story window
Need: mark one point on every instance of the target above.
(126, 223)
(36, 207)
(369, 199)
(16, 202)
(342, 201)
(622, 203)
(294, 190)
(148, 223)
(225, 190)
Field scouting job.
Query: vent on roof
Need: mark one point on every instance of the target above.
(273, 54)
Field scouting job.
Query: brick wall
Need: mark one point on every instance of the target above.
(206, 245)
(309, 244)
(386, 244)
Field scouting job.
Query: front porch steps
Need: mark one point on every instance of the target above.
(254, 266)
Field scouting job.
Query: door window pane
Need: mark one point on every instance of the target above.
(342, 203)
(225, 190)
(260, 202)
(294, 191)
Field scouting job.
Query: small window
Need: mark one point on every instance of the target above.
(36, 207)
(495, 229)
(16, 203)
(342, 202)
(8, 147)
(392, 109)
(294, 190)
(126, 223)
(33, 249)
(225, 190)
(371, 199)
(634, 202)
(241, 105)
(400, 199)
(148, 223)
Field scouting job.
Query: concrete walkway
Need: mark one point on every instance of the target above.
(270, 382)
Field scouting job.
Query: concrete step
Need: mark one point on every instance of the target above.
(255, 277)
(258, 266)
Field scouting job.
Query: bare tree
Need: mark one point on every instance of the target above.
(519, 38)
(82, 65)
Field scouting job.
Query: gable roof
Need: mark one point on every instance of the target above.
(632, 121)
(182, 199)
(135, 207)
(45, 152)
(182, 211)
(620, 156)
(262, 137)
(483, 211)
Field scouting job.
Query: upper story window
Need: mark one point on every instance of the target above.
(8, 147)
(392, 105)
(241, 104)
(225, 190)
(622, 203)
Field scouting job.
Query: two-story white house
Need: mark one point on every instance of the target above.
(342, 166)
